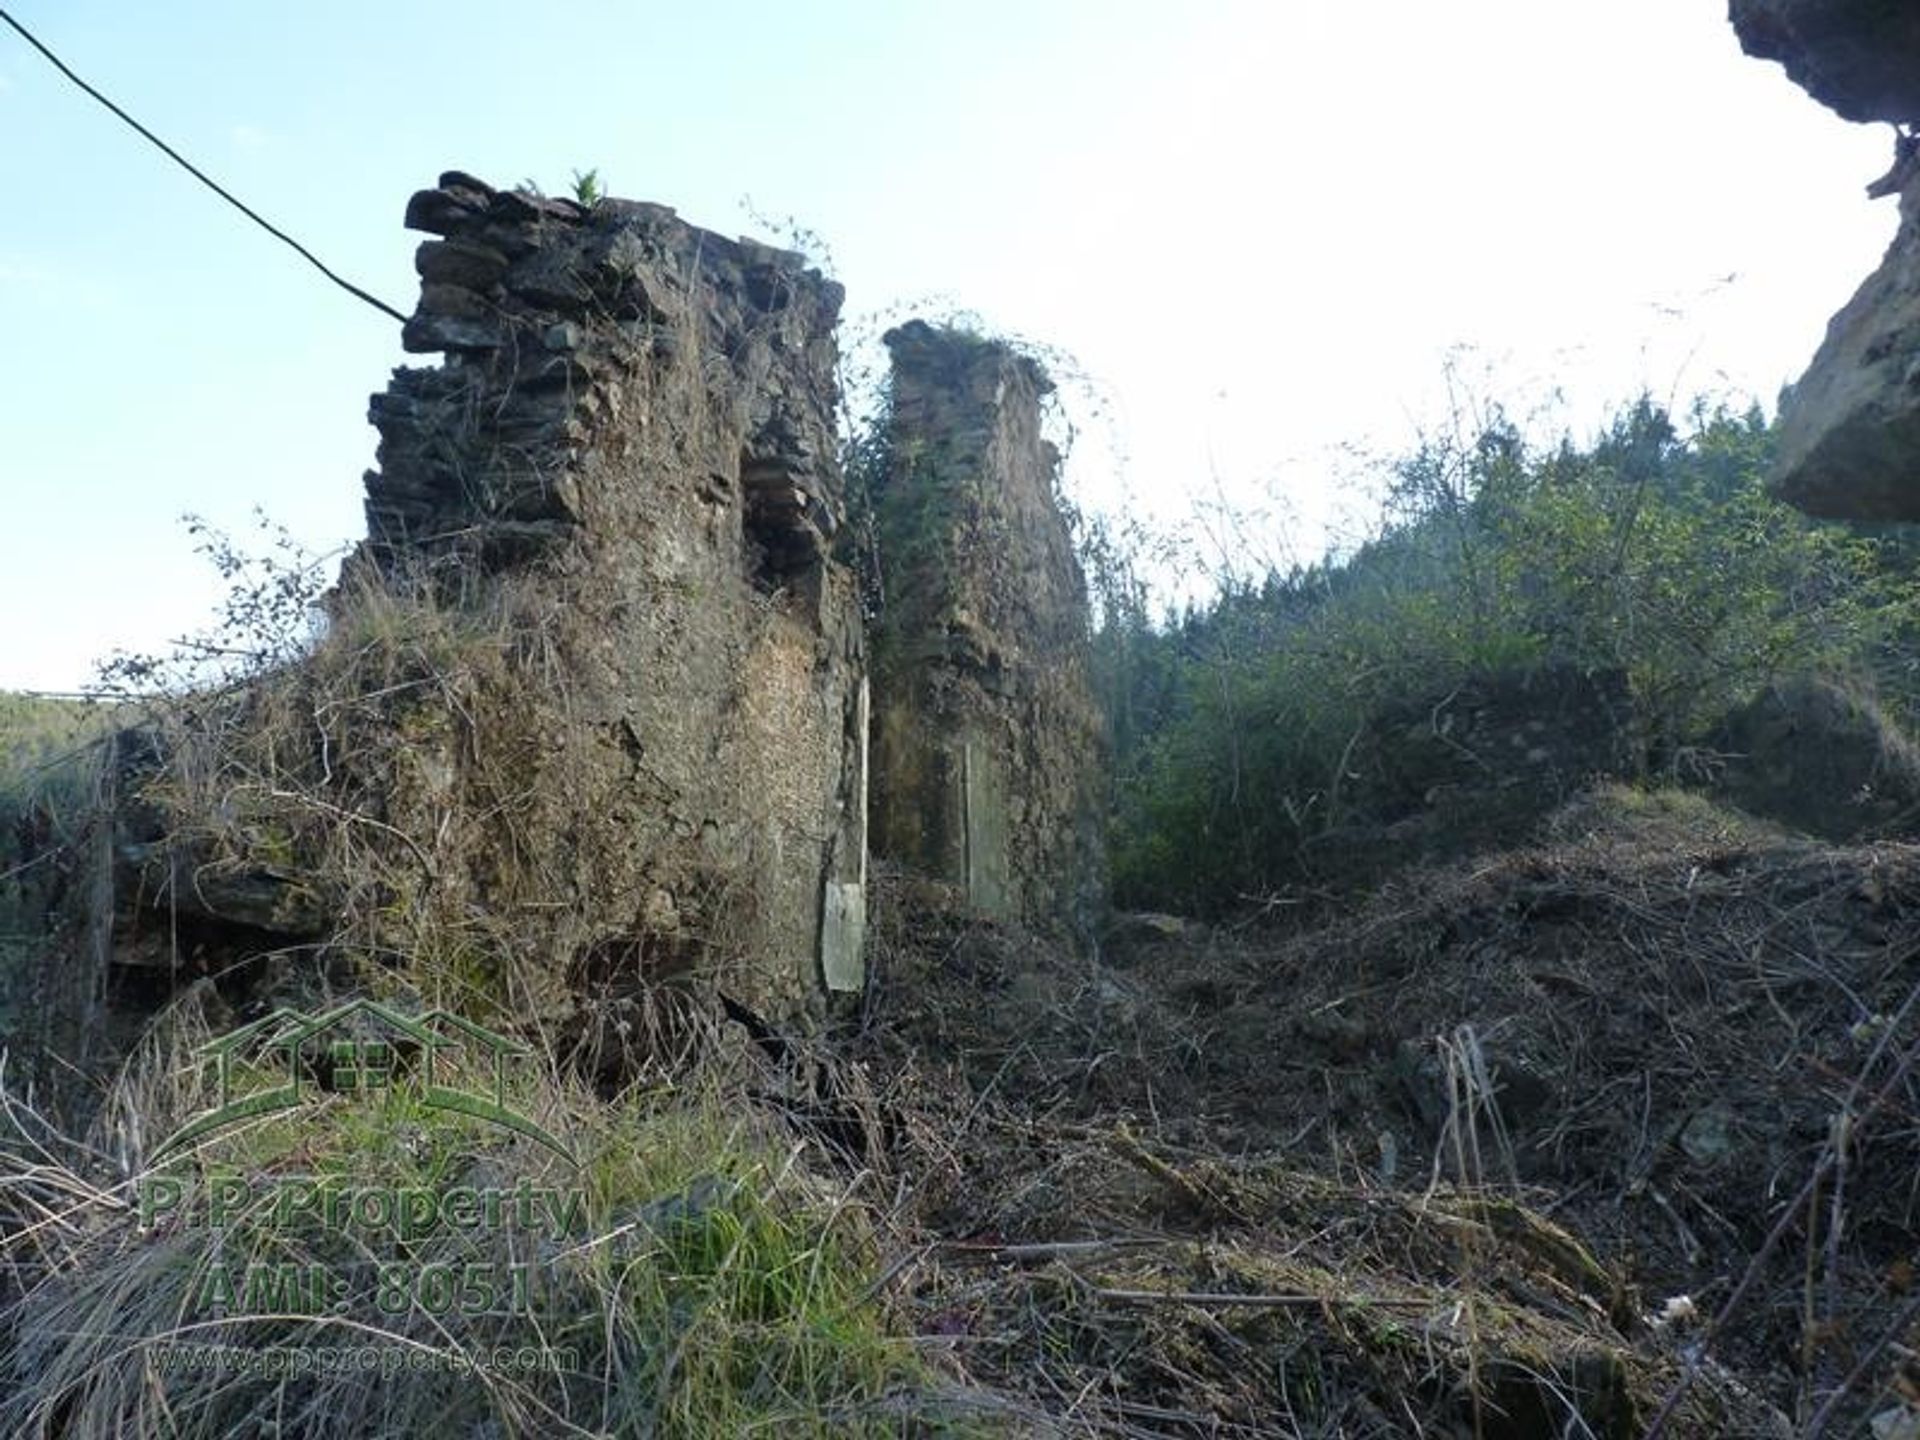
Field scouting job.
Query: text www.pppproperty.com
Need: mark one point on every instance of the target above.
(361, 1359)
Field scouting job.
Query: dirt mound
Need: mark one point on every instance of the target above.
(1208, 1297)
(1682, 1035)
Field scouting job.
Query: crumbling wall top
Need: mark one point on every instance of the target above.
(546, 310)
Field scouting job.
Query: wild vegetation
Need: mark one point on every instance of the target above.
(719, 1279)
(709, 1285)
(1428, 1145)
(1652, 552)
(48, 792)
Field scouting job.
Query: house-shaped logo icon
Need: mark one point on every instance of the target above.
(287, 1058)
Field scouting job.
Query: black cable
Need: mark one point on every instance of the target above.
(201, 176)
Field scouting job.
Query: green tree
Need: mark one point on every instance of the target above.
(1649, 551)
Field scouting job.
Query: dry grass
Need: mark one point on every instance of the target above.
(1422, 1168)
(1667, 1030)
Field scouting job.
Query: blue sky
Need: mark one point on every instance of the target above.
(1261, 228)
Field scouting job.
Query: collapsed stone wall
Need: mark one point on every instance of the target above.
(987, 756)
(634, 422)
(595, 690)
(599, 362)
(1850, 427)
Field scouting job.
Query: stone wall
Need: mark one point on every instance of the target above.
(632, 430)
(593, 696)
(597, 362)
(987, 763)
(593, 712)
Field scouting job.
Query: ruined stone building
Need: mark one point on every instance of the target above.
(597, 690)
(635, 423)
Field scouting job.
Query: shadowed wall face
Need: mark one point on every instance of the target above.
(987, 742)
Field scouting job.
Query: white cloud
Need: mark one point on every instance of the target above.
(249, 137)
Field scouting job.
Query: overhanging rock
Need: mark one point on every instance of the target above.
(1855, 56)
(1850, 428)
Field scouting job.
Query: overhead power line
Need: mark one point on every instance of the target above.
(200, 175)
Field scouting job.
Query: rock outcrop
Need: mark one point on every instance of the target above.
(1855, 56)
(987, 742)
(1850, 428)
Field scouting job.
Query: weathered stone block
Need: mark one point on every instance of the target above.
(426, 333)
(462, 262)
